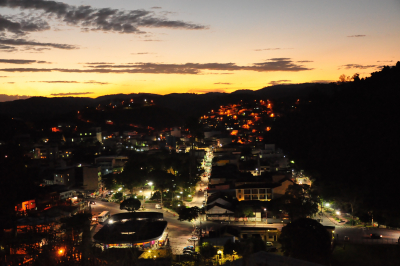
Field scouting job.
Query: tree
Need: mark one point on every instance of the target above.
(300, 201)
(188, 214)
(118, 196)
(306, 239)
(207, 251)
(130, 204)
(246, 152)
(244, 211)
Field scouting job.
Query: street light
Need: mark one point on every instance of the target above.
(151, 188)
(266, 215)
(142, 198)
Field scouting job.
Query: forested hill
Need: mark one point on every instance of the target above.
(350, 143)
(183, 104)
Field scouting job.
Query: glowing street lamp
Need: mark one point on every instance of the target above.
(60, 251)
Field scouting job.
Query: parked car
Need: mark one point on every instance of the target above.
(269, 244)
(193, 238)
(188, 248)
(105, 200)
(376, 236)
(158, 206)
(93, 202)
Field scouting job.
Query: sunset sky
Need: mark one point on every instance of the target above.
(90, 48)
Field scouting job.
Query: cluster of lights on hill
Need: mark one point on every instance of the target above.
(246, 122)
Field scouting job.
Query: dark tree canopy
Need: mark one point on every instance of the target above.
(130, 204)
(188, 214)
(306, 239)
(300, 201)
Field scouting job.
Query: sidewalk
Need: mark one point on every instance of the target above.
(343, 222)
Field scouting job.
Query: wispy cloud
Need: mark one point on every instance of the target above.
(101, 19)
(223, 83)
(357, 66)
(96, 82)
(141, 53)
(74, 82)
(206, 91)
(305, 61)
(278, 82)
(271, 65)
(21, 25)
(58, 81)
(156, 7)
(23, 42)
(70, 93)
(98, 63)
(22, 61)
(322, 81)
(356, 36)
(387, 61)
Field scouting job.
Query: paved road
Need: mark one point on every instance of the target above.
(361, 234)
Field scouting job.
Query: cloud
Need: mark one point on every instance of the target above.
(3, 76)
(141, 53)
(75, 82)
(350, 66)
(6, 48)
(322, 81)
(21, 61)
(59, 81)
(9, 82)
(151, 40)
(96, 82)
(156, 7)
(278, 82)
(206, 91)
(356, 36)
(223, 83)
(99, 63)
(23, 42)
(387, 61)
(267, 49)
(70, 93)
(19, 27)
(271, 65)
(104, 19)
(6, 97)
(305, 61)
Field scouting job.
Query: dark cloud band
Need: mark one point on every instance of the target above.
(273, 64)
(23, 42)
(105, 19)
